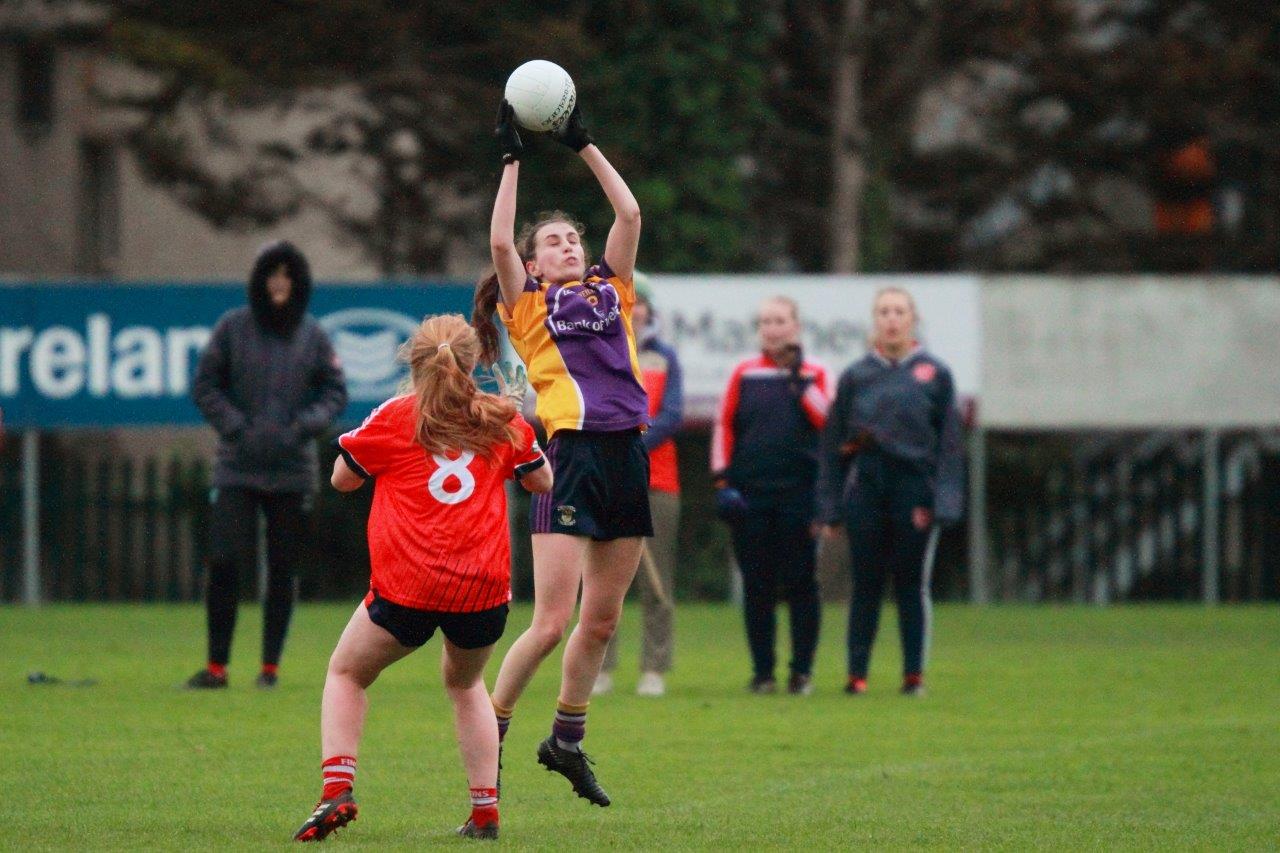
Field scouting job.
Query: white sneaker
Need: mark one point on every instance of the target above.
(651, 684)
(604, 683)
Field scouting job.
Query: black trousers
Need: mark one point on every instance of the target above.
(891, 534)
(778, 558)
(233, 534)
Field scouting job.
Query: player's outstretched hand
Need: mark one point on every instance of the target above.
(512, 382)
(508, 136)
(573, 132)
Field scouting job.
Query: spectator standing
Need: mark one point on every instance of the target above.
(764, 463)
(268, 383)
(892, 472)
(663, 382)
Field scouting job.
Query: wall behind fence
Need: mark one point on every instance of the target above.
(1133, 352)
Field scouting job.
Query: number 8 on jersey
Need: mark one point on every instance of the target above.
(438, 536)
(456, 469)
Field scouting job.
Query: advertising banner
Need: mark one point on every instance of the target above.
(106, 354)
(710, 320)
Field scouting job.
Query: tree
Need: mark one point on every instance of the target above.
(848, 139)
(1004, 135)
(380, 114)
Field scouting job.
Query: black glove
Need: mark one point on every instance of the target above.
(508, 136)
(573, 132)
(730, 504)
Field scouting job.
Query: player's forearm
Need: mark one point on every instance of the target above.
(502, 226)
(625, 206)
(502, 241)
(343, 478)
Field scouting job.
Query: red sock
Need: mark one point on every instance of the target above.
(484, 806)
(218, 669)
(913, 679)
(270, 668)
(339, 776)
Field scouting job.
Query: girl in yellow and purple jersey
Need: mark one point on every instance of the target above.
(571, 325)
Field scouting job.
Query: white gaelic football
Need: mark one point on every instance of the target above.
(542, 95)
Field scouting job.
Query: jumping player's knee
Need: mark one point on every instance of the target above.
(547, 637)
(599, 628)
(548, 632)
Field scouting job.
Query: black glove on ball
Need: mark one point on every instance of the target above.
(508, 137)
(573, 132)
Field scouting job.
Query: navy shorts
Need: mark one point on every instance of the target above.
(412, 627)
(601, 486)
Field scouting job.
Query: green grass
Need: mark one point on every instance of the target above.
(1132, 727)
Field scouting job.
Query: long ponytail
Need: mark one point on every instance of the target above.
(482, 310)
(453, 413)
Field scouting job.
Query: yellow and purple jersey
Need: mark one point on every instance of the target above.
(577, 343)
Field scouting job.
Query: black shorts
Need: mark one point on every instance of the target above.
(601, 486)
(412, 627)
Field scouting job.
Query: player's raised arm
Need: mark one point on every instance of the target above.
(502, 227)
(624, 237)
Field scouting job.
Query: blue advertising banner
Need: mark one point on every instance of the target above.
(107, 354)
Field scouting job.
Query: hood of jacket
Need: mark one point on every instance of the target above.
(284, 319)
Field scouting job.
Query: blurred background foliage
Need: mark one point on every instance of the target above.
(1053, 135)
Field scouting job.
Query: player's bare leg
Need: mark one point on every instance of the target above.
(472, 713)
(477, 730)
(558, 564)
(363, 651)
(610, 568)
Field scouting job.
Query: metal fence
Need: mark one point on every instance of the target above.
(1132, 516)
(1069, 517)
(111, 529)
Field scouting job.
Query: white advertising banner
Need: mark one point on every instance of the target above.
(710, 320)
(1131, 352)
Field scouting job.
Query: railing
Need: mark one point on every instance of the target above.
(119, 528)
(111, 529)
(1071, 517)
(1122, 517)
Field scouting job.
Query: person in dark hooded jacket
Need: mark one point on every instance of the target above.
(268, 383)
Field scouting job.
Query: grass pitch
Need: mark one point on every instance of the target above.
(1068, 728)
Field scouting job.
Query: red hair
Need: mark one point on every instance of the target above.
(453, 413)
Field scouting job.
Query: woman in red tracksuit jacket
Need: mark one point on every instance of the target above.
(764, 461)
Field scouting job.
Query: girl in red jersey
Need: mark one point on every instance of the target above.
(440, 552)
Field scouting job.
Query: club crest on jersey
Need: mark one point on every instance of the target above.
(924, 372)
(566, 516)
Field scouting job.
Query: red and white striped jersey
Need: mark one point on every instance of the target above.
(438, 534)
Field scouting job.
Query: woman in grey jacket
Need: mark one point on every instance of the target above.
(269, 383)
